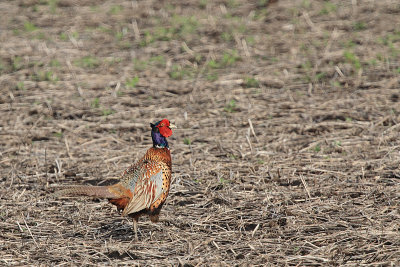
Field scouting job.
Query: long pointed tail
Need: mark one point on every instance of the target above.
(85, 190)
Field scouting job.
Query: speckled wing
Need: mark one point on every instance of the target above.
(146, 184)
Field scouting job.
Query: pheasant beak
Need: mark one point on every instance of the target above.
(172, 126)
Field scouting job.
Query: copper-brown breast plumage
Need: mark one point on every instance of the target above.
(148, 180)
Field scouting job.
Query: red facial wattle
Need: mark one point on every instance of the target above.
(164, 129)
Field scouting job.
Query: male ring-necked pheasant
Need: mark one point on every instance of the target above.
(144, 186)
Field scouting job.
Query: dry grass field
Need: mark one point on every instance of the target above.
(288, 146)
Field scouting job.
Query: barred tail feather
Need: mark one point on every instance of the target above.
(85, 190)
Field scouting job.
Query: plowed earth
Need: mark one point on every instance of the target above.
(287, 151)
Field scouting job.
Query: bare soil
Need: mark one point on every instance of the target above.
(287, 151)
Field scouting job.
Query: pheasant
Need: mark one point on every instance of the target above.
(144, 186)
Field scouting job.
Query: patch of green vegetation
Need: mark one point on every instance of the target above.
(17, 63)
(75, 35)
(319, 76)
(337, 143)
(294, 12)
(55, 63)
(242, 28)
(349, 44)
(212, 76)
(336, 84)
(41, 36)
(170, 7)
(105, 29)
(213, 64)
(223, 181)
(125, 45)
(260, 14)
(260, 162)
(52, 5)
(250, 40)
(227, 36)
(132, 82)
(299, 93)
(307, 67)
(262, 3)
(380, 57)
(45, 76)
(107, 112)
(115, 9)
(328, 8)
(353, 59)
(233, 4)
(348, 119)
(139, 65)
(158, 61)
(119, 35)
(88, 62)
(16, 32)
(230, 57)
(163, 33)
(307, 78)
(230, 107)
(273, 59)
(232, 156)
(36, 64)
(186, 141)
(94, 8)
(203, 4)
(317, 148)
(3, 66)
(63, 36)
(251, 82)
(147, 39)
(29, 27)
(50, 76)
(389, 40)
(20, 86)
(184, 25)
(359, 26)
(178, 72)
(58, 134)
(113, 60)
(95, 103)
(228, 15)
(372, 62)
(306, 4)
(177, 27)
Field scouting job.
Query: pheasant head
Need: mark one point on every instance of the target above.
(160, 131)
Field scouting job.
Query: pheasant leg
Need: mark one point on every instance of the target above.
(135, 228)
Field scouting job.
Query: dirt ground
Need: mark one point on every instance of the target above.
(287, 151)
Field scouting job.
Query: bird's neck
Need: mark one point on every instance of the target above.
(159, 141)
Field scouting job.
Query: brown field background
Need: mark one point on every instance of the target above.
(287, 151)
